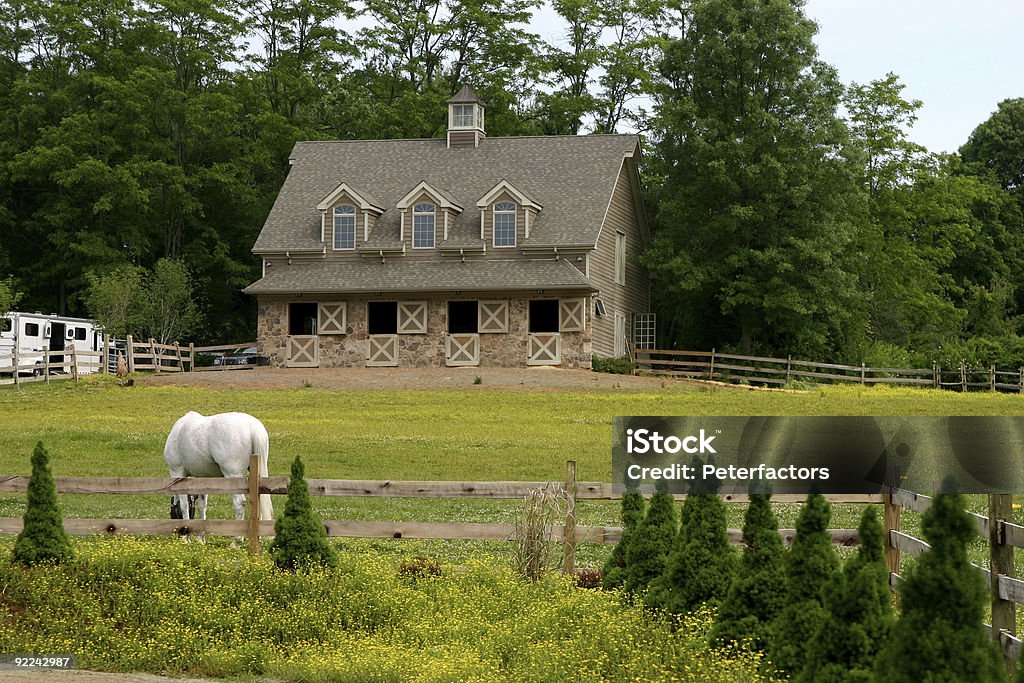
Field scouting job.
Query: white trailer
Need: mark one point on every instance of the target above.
(35, 332)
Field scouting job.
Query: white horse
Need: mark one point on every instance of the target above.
(216, 446)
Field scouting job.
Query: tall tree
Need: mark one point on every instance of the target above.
(758, 204)
(943, 605)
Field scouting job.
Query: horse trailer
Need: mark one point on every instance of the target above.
(35, 332)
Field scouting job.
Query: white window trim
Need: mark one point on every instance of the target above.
(334, 227)
(620, 258)
(433, 215)
(494, 225)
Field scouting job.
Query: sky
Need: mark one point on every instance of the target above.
(959, 57)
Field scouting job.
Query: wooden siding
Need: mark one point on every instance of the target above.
(634, 296)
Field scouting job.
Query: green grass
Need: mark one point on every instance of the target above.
(97, 428)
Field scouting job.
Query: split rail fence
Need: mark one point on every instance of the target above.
(727, 367)
(1002, 535)
(150, 356)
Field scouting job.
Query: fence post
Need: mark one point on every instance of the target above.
(46, 364)
(963, 376)
(130, 351)
(891, 520)
(711, 368)
(254, 504)
(74, 361)
(105, 359)
(569, 532)
(937, 376)
(16, 360)
(152, 352)
(1020, 382)
(789, 367)
(862, 372)
(992, 377)
(177, 351)
(1000, 510)
(191, 356)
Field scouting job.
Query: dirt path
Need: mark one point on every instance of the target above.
(361, 379)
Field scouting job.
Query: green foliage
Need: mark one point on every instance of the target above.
(811, 567)
(702, 562)
(116, 300)
(9, 296)
(42, 540)
(164, 607)
(757, 203)
(300, 539)
(859, 606)
(996, 147)
(613, 366)
(650, 544)
(632, 515)
(943, 603)
(758, 591)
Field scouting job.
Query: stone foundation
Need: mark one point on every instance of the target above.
(414, 350)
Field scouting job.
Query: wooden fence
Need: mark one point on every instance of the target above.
(149, 356)
(727, 367)
(1003, 536)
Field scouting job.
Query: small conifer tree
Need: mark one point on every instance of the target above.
(859, 609)
(758, 590)
(651, 542)
(299, 536)
(811, 566)
(701, 564)
(943, 604)
(43, 538)
(632, 515)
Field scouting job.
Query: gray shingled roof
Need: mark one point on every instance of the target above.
(420, 275)
(571, 176)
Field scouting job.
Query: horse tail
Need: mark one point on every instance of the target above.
(261, 447)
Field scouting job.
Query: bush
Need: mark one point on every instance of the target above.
(206, 611)
(700, 567)
(42, 539)
(300, 539)
(811, 566)
(651, 542)
(613, 366)
(943, 599)
(632, 515)
(859, 607)
(758, 590)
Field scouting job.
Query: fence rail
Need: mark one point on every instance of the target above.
(727, 367)
(1006, 590)
(19, 367)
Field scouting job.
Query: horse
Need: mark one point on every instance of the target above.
(215, 446)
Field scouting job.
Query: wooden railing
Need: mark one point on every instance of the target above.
(40, 366)
(727, 367)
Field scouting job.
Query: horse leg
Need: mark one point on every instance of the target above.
(238, 500)
(201, 501)
(181, 501)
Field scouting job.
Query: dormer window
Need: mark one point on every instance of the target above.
(505, 224)
(344, 226)
(423, 226)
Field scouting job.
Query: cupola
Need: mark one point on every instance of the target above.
(465, 119)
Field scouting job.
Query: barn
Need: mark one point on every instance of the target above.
(457, 251)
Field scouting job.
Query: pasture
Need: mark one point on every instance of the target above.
(121, 600)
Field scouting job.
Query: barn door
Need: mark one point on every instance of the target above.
(303, 351)
(544, 348)
(412, 317)
(382, 350)
(572, 315)
(462, 349)
(332, 318)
